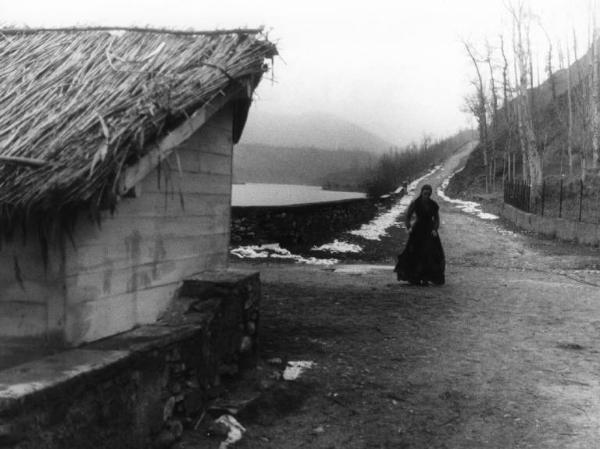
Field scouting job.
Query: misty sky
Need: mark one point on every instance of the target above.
(397, 68)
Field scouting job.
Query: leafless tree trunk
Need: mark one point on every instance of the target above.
(519, 116)
(569, 113)
(494, 114)
(508, 116)
(551, 79)
(549, 69)
(480, 111)
(504, 157)
(581, 106)
(530, 64)
(594, 99)
(523, 56)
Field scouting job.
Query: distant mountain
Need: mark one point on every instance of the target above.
(310, 130)
(309, 166)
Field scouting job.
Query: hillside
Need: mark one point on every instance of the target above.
(310, 130)
(550, 114)
(311, 166)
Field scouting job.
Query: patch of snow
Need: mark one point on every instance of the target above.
(19, 390)
(338, 247)
(235, 430)
(586, 271)
(294, 369)
(414, 184)
(377, 227)
(361, 268)
(274, 251)
(503, 231)
(373, 230)
(470, 207)
(250, 252)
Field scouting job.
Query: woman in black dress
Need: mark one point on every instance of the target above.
(423, 258)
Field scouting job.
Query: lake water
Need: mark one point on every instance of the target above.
(254, 194)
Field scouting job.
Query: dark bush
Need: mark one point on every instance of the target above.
(403, 164)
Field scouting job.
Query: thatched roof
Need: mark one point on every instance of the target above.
(82, 104)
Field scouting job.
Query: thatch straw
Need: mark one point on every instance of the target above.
(84, 103)
(9, 31)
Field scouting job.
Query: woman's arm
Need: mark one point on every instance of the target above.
(408, 216)
(436, 218)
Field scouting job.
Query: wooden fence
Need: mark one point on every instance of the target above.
(572, 200)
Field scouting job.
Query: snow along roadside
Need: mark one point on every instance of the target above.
(274, 251)
(373, 230)
(470, 207)
(377, 228)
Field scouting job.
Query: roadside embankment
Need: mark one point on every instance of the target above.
(503, 355)
(313, 233)
(142, 388)
(305, 225)
(568, 230)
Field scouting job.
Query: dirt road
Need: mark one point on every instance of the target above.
(505, 355)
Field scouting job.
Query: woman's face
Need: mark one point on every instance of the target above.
(426, 194)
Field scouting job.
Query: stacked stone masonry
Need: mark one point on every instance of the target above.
(301, 226)
(563, 229)
(139, 389)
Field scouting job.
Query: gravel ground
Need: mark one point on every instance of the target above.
(502, 356)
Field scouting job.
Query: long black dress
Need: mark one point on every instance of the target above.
(423, 257)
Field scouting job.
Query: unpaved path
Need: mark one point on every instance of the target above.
(505, 355)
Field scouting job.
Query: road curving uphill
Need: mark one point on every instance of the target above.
(503, 356)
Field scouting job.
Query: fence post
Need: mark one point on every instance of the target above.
(512, 192)
(580, 197)
(520, 195)
(543, 195)
(560, 198)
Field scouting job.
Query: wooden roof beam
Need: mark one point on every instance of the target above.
(163, 149)
(28, 161)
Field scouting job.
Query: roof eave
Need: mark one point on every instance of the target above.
(242, 89)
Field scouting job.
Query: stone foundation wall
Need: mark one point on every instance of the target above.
(575, 231)
(139, 389)
(301, 226)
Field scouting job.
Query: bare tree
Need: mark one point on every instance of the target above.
(493, 115)
(479, 109)
(581, 105)
(529, 54)
(594, 99)
(549, 70)
(523, 57)
(518, 114)
(569, 111)
(506, 109)
(510, 114)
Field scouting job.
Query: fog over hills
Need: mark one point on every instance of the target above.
(310, 166)
(310, 130)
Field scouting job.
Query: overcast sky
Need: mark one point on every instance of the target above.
(397, 68)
